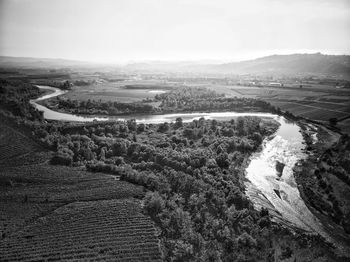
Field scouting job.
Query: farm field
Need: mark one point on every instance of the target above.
(313, 110)
(124, 91)
(59, 184)
(108, 230)
(316, 102)
(32, 192)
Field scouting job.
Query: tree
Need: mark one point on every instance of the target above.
(222, 160)
(141, 128)
(154, 203)
(87, 153)
(66, 85)
(120, 148)
(178, 122)
(214, 124)
(132, 124)
(103, 154)
(241, 126)
(163, 127)
(64, 156)
(257, 138)
(246, 240)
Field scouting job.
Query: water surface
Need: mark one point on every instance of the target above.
(54, 115)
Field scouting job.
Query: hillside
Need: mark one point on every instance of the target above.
(295, 64)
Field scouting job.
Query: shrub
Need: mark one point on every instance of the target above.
(64, 156)
(154, 203)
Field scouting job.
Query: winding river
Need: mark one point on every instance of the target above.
(263, 186)
(53, 115)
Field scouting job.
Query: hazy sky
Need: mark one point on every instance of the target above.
(123, 30)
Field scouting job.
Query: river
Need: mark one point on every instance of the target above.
(54, 115)
(280, 194)
(263, 186)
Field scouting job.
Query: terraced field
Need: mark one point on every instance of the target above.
(59, 184)
(53, 212)
(30, 192)
(63, 213)
(110, 230)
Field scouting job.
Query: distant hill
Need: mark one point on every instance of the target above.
(296, 64)
(32, 62)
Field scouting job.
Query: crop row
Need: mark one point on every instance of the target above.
(109, 230)
(13, 143)
(41, 183)
(112, 250)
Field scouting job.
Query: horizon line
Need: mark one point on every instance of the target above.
(204, 60)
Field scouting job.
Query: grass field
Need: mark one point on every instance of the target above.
(118, 91)
(63, 213)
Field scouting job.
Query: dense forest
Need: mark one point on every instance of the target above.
(325, 180)
(14, 99)
(194, 173)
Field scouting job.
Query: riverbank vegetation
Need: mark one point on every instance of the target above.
(15, 96)
(325, 177)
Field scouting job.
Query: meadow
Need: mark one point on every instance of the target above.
(122, 91)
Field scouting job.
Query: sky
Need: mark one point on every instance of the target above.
(117, 31)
